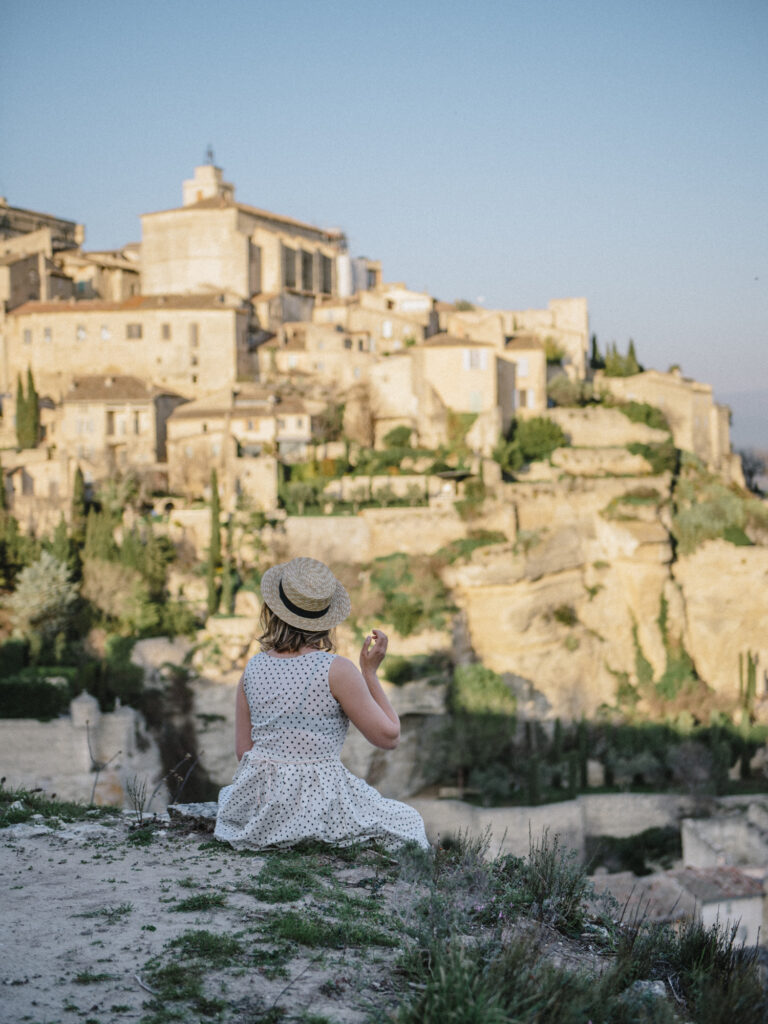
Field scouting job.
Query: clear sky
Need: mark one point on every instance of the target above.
(501, 151)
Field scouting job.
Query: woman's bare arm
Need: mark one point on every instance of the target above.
(361, 695)
(243, 739)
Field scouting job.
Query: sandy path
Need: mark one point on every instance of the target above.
(84, 910)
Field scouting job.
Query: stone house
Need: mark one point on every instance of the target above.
(565, 322)
(393, 317)
(239, 432)
(38, 484)
(422, 386)
(191, 344)
(527, 353)
(113, 276)
(325, 353)
(112, 423)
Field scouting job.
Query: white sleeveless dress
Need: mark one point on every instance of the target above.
(292, 785)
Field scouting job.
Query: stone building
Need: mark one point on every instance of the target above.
(393, 316)
(437, 387)
(191, 344)
(113, 276)
(564, 324)
(238, 431)
(527, 353)
(214, 243)
(327, 354)
(112, 423)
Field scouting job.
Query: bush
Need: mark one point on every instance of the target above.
(398, 437)
(642, 412)
(663, 457)
(400, 670)
(25, 696)
(566, 392)
(538, 437)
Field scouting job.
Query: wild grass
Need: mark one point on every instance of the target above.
(36, 802)
(110, 914)
(200, 901)
(478, 951)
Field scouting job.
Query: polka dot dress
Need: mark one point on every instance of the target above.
(292, 785)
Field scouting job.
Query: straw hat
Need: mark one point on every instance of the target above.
(305, 593)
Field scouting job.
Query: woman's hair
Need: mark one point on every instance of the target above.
(277, 635)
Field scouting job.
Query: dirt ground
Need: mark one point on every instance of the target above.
(90, 915)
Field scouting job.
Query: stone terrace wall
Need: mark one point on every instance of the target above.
(610, 814)
(55, 756)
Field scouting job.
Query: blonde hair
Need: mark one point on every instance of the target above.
(277, 635)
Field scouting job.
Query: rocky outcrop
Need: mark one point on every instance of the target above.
(725, 597)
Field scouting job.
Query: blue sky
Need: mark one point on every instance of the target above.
(508, 152)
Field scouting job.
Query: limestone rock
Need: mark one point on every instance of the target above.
(725, 591)
(601, 427)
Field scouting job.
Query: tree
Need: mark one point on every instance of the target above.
(33, 410)
(214, 548)
(21, 414)
(42, 603)
(596, 361)
(99, 536)
(27, 413)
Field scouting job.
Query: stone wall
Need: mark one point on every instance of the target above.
(614, 814)
(55, 755)
(598, 427)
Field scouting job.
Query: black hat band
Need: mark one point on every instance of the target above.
(300, 611)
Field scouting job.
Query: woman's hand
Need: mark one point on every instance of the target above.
(372, 652)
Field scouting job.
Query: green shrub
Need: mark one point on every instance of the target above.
(400, 670)
(663, 457)
(642, 412)
(31, 696)
(398, 437)
(570, 393)
(538, 437)
(13, 657)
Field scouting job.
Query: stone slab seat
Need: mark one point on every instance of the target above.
(201, 816)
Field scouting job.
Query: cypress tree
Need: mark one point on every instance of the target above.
(596, 361)
(632, 364)
(33, 410)
(3, 494)
(214, 549)
(21, 414)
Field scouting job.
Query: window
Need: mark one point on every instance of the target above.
(522, 366)
(531, 398)
(370, 279)
(522, 399)
(136, 423)
(193, 360)
(194, 378)
(205, 428)
(133, 331)
(475, 359)
(356, 373)
(360, 345)
(307, 271)
(80, 332)
(106, 334)
(386, 329)
(292, 362)
(194, 335)
(347, 343)
(27, 336)
(326, 275)
(47, 334)
(299, 423)
(289, 267)
(165, 331)
(250, 424)
(81, 287)
(280, 423)
(110, 423)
